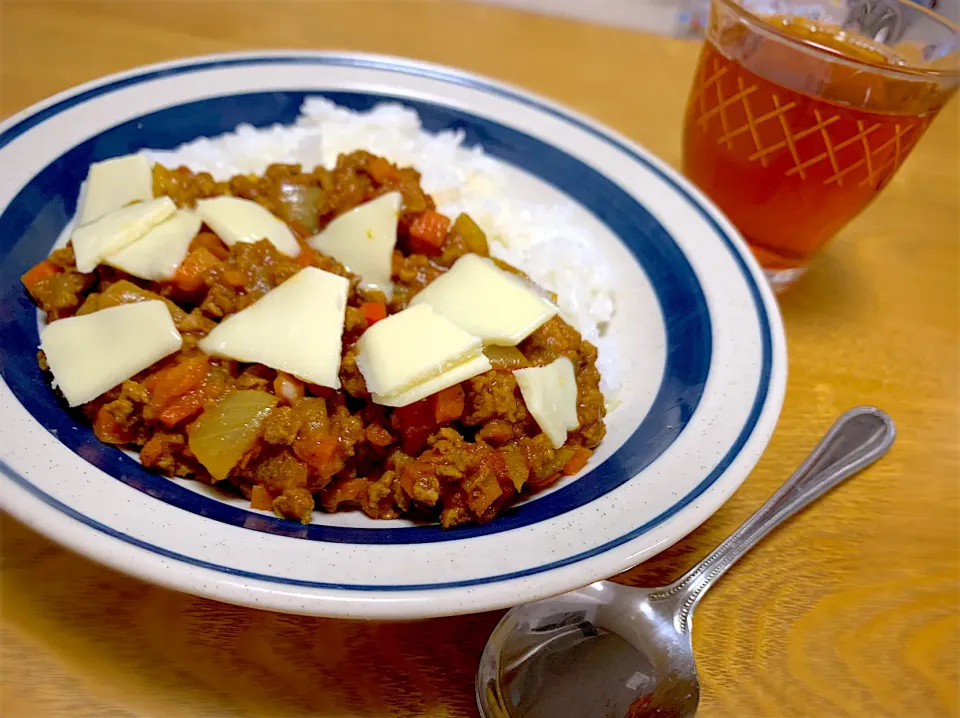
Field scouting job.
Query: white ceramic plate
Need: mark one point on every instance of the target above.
(701, 343)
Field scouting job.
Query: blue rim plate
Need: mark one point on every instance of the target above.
(697, 334)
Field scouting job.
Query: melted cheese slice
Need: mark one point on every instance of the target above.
(410, 348)
(93, 353)
(469, 369)
(94, 242)
(550, 393)
(363, 239)
(158, 253)
(242, 220)
(113, 184)
(482, 299)
(296, 328)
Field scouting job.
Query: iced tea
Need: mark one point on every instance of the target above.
(793, 142)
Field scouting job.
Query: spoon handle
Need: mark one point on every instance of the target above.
(857, 439)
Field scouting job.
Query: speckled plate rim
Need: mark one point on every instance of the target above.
(134, 556)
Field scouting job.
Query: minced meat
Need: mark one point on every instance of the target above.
(320, 448)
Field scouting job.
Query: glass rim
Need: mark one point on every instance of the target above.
(759, 23)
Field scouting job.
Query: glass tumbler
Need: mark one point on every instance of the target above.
(801, 111)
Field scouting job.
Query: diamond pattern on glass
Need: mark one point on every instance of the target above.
(829, 147)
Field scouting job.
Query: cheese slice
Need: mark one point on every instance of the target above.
(363, 239)
(242, 220)
(410, 348)
(158, 253)
(94, 242)
(93, 353)
(296, 328)
(469, 369)
(113, 184)
(550, 393)
(481, 298)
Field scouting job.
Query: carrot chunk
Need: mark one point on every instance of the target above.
(212, 243)
(381, 171)
(194, 269)
(448, 404)
(307, 254)
(260, 499)
(177, 381)
(373, 312)
(318, 450)
(576, 462)
(181, 408)
(108, 429)
(152, 451)
(428, 232)
(378, 436)
(415, 422)
(41, 270)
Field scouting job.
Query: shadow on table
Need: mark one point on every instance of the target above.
(831, 294)
(159, 652)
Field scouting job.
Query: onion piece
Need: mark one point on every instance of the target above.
(506, 357)
(473, 237)
(229, 429)
(300, 205)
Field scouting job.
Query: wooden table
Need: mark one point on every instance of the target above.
(850, 611)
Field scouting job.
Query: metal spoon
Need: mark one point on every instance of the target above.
(612, 651)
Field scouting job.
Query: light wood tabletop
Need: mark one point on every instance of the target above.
(850, 610)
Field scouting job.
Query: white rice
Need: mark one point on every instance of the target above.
(545, 241)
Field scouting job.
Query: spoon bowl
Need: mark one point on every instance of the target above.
(603, 650)
(612, 651)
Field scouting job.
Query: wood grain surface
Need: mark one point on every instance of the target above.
(852, 610)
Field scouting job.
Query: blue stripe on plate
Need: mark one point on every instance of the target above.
(52, 196)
